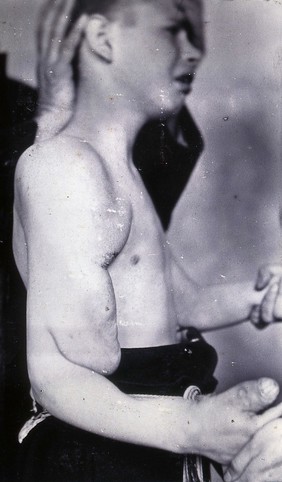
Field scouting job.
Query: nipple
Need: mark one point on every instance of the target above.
(134, 260)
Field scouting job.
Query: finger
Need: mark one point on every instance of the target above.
(240, 463)
(42, 17)
(60, 26)
(258, 470)
(269, 415)
(254, 396)
(260, 458)
(62, 23)
(266, 273)
(264, 276)
(268, 304)
(48, 17)
(255, 317)
(52, 27)
(71, 43)
(278, 305)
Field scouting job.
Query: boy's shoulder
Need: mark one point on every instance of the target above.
(61, 163)
(60, 154)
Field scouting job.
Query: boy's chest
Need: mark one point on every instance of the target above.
(145, 247)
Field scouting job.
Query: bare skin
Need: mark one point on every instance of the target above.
(98, 270)
(55, 53)
(259, 461)
(74, 340)
(235, 303)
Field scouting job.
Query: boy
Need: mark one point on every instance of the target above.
(101, 279)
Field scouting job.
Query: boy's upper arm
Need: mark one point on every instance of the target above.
(65, 210)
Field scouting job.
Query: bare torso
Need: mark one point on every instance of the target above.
(142, 279)
(138, 263)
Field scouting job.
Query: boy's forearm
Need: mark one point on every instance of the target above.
(215, 306)
(224, 305)
(89, 401)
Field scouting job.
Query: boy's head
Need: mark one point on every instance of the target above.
(112, 8)
(148, 49)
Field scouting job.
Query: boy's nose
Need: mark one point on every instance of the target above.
(189, 52)
(192, 55)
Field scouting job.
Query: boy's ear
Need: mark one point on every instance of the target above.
(97, 37)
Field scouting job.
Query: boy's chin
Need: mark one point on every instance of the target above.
(172, 110)
(166, 110)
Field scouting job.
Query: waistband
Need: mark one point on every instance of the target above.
(167, 370)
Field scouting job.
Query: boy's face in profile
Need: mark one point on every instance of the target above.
(160, 48)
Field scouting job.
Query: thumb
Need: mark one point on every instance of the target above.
(256, 395)
(263, 278)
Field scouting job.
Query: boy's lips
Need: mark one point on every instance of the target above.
(185, 82)
(186, 78)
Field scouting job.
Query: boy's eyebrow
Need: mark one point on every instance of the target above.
(182, 22)
(185, 10)
(179, 5)
(193, 31)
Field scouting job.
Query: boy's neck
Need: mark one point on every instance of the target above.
(107, 121)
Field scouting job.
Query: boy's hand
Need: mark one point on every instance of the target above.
(230, 420)
(270, 309)
(261, 459)
(55, 77)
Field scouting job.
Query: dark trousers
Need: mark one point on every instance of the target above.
(57, 452)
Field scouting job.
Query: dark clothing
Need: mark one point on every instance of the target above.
(167, 370)
(57, 452)
(165, 165)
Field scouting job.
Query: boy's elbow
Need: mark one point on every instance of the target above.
(46, 376)
(41, 378)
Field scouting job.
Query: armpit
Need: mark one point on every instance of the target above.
(108, 259)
